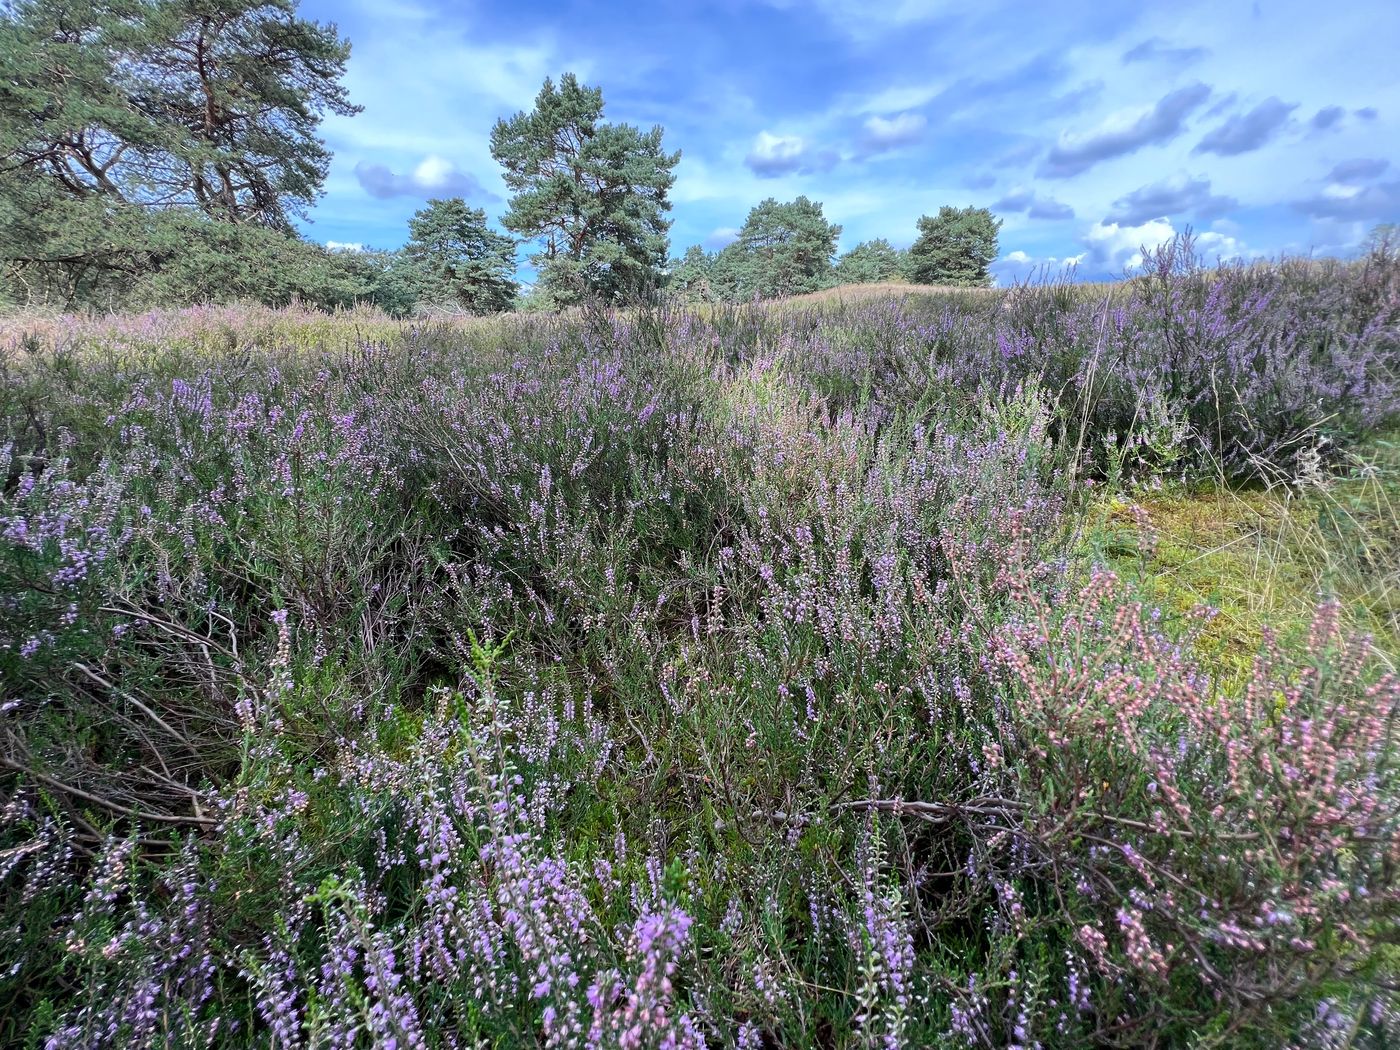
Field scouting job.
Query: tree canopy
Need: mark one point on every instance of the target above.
(782, 249)
(595, 194)
(454, 258)
(956, 247)
(690, 275)
(210, 103)
(871, 262)
(128, 127)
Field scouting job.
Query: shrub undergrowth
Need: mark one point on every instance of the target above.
(658, 678)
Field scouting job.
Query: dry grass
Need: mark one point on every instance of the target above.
(861, 293)
(885, 290)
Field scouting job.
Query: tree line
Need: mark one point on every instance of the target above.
(789, 248)
(156, 152)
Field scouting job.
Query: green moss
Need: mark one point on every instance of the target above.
(1262, 558)
(1187, 550)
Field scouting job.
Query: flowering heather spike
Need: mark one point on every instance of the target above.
(674, 679)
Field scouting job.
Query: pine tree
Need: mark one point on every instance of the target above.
(870, 262)
(210, 103)
(782, 249)
(956, 247)
(453, 257)
(594, 194)
(689, 276)
(127, 127)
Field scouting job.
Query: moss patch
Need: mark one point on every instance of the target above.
(1263, 558)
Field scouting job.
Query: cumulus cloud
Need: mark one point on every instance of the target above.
(774, 155)
(1117, 247)
(1378, 202)
(1326, 118)
(1164, 121)
(1216, 246)
(1174, 196)
(1358, 170)
(1018, 266)
(433, 177)
(721, 238)
(882, 133)
(344, 246)
(1155, 49)
(1028, 203)
(1247, 131)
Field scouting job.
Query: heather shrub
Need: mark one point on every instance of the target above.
(1265, 365)
(1211, 851)
(664, 679)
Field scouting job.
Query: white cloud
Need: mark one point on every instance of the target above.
(1338, 192)
(434, 172)
(882, 133)
(1020, 266)
(773, 155)
(1114, 248)
(1120, 248)
(434, 176)
(344, 246)
(1221, 247)
(778, 149)
(721, 237)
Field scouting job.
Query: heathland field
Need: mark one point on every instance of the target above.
(917, 668)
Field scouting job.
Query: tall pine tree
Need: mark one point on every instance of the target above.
(213, 103)
(594, 194)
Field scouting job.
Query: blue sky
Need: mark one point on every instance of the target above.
(1092, 128)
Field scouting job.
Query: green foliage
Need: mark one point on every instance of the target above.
(96, 253)
(213, 103)
(690, 276)
(126, 127)
(66, 251)
(783, 249)
(596, 194)
(871, 262)
(955, 247)
(383, 278)
(454, 258)
(191, 259)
